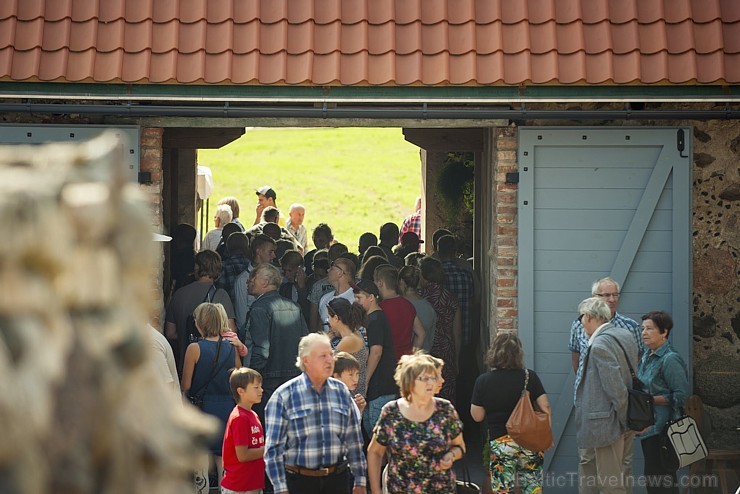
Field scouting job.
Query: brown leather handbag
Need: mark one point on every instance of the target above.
(528, 427)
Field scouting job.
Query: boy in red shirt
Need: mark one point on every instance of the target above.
(244, 440)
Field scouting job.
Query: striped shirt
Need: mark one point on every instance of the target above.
(308, 429)
(579, 340)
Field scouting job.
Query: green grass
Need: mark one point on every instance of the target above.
(354, 179)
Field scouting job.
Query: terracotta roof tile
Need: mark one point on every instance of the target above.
(111, 11)
(433, 11)
(678, 11)
(568, 11)
(327, 38)
(165, 36)
(380, 11)
(137, 36)
(730, 10)
(539, 11)
(353, 39)
(381, 39)
(218, 11)
(84, 10)
(246, 38)
(138, 10)
(134, 65)
(376, 42)
(53, 65)
(29, 34)
(486, 11)
(83, 36)
(110, 35)
(56, 11)
(461, 11)
(29, 10)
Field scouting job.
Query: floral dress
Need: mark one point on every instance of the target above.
(445, 305)
(416, 448)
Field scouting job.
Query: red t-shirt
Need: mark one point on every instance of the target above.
(400, 314)
(243, 429)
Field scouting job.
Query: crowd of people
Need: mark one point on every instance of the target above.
(333, 371)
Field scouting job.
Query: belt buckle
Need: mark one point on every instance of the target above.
(323, 471)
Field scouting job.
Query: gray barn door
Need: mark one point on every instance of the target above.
(595, 202)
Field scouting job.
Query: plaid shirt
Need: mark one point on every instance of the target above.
(460, 283)
(299, 232)
(312, 430)
(412, 223)
(579, 340)
(231, 268)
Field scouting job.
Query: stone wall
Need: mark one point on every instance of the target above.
(716, 270)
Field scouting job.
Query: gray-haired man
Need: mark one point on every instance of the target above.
(606, 289)
(601, 399)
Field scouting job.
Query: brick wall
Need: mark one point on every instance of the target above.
(151, 161)
(505, 313)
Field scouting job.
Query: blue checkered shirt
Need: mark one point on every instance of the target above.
(579, 340)
(460, 283)
(231, 268)
(312, 430)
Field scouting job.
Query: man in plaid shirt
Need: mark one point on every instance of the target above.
(412, 223)
(238, 246)
(459, 282)
(313, 436)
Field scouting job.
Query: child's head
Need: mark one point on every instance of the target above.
(347, 369)
(246, 386)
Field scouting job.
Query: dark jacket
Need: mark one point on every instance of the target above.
(276, 326)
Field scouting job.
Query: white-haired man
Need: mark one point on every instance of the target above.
(313, 436)
(606, 289)
(601, 399)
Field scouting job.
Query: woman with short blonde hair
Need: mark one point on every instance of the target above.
(422, 434)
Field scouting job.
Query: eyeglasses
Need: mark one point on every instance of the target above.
(427, 379)
(335, 265)
(580, 318)
(607, 295)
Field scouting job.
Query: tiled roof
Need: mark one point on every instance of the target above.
(371, 42)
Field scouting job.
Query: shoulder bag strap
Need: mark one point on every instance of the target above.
(214, 371)
(526, 380)
(635, 381)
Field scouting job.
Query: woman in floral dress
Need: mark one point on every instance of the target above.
(421, 433)
(448, 332)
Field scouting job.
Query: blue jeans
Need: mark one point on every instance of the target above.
(372, 412)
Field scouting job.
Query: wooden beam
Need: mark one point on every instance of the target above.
(200, 138)
(469, 139)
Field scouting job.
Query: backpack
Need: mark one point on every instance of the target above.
(191, 332)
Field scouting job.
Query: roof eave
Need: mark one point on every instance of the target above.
(501, 94)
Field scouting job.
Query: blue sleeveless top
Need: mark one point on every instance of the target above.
(217, 400)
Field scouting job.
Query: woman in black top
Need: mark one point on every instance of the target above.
(495, 395)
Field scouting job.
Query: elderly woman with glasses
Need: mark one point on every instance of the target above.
(421, 433)
(495, 396)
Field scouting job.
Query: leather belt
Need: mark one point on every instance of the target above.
(318, 472)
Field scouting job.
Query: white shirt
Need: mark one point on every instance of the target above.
(164, 361)
(591, 338)
(323, 313)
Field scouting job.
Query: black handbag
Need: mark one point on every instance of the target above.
(640, 405)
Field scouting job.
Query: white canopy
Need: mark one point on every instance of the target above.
(205, 182)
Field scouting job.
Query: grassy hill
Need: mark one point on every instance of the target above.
(354, 179)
